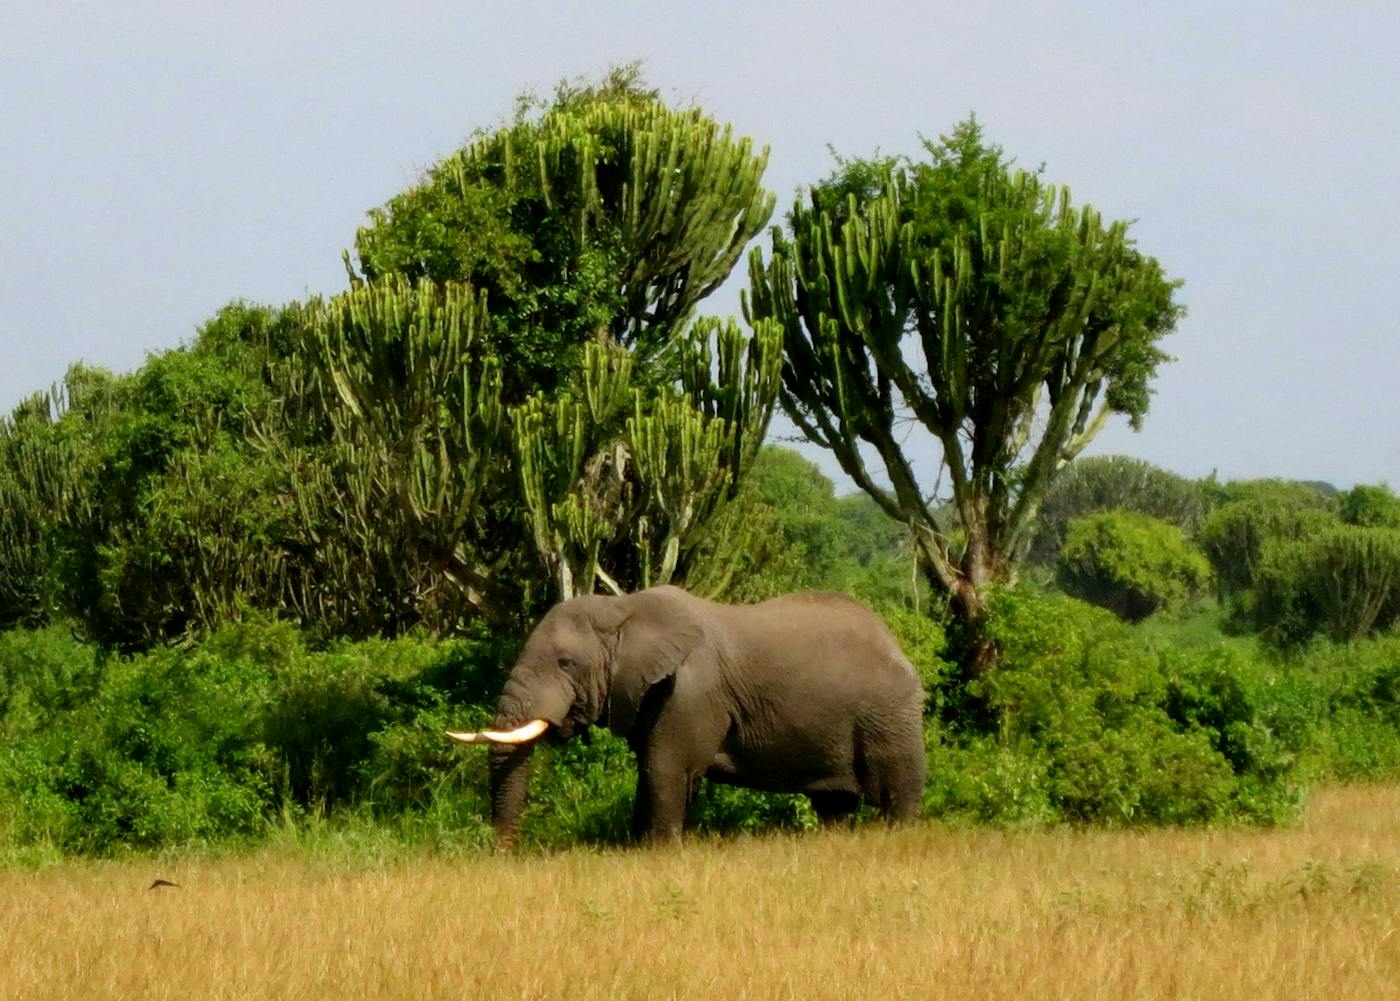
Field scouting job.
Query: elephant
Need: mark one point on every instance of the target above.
(805, 693)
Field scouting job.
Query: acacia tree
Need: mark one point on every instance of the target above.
(976, 301)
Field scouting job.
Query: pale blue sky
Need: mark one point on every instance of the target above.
(161, 159)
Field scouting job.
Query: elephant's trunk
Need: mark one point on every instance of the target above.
(509, 765)
(532, 702)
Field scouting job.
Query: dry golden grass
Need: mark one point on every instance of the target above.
(922, 912)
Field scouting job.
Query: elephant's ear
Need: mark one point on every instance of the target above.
(653, 642)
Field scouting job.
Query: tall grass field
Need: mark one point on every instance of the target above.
(925, 911)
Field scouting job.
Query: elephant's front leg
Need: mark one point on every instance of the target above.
(664, 783)
(641, 807)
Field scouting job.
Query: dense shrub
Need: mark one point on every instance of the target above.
(1358, 730)
(252, 734)
(191, 746)
(1258, 514)
(1131, 564)
(1370, 506)
(1114, 483)
(43, 672)
(1343, 583)
(1090, 728)
(167, 752)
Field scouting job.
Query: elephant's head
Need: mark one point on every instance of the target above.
(590, 660)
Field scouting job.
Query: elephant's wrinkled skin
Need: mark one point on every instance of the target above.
(803, 693)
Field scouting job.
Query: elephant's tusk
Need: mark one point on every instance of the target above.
(520, 735)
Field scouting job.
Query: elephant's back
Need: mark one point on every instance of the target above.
(826, 641)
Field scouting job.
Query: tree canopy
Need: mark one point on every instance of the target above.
(603, 214)
(512, 403)
(973, 300)
(1130, 563)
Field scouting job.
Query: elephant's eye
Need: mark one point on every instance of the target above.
(567, 662)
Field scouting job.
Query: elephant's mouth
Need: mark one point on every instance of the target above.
(524, 734)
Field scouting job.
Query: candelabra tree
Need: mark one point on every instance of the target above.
(604, 215)
(392, 500)
(427, 479)
(626, 485)
(975, 301)
(36, 481)
(56, 498)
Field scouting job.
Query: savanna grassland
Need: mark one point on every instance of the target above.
(1306, 911)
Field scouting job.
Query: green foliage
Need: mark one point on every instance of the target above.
(1343, 583)
(795, 537)
(925, 642)
(629, 486)
(253, 735)
(1132, 564)
(1370, 506)
(1096, 484)
(595, 436)
(162, 755)
(144, 507)
(1253, 517)
(398, 505)
(1293, 561)
(1088, 724)
(43, 672)
(36, 477)
(811, 539)
(368, 463)
(580, 792)
(602, 214)
(53, 515)
(1352, 698)
(978, 300)
(249, 729)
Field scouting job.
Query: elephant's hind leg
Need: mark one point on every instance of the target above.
(902, 787)
(894, 783)
(889, 760)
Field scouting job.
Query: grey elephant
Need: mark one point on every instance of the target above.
(805, 693)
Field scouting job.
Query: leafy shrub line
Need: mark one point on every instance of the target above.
(252, 734)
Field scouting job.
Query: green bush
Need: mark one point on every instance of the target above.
(1235, 535)
(179, 747)
(43, 672)
(1343, 583)
(1370, 506)
(1092, 725)
(1131, 564)
(1347, 699)
(985, 780)
(166, 753)
(805, 537)
(1114, 483)
(253, 735)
